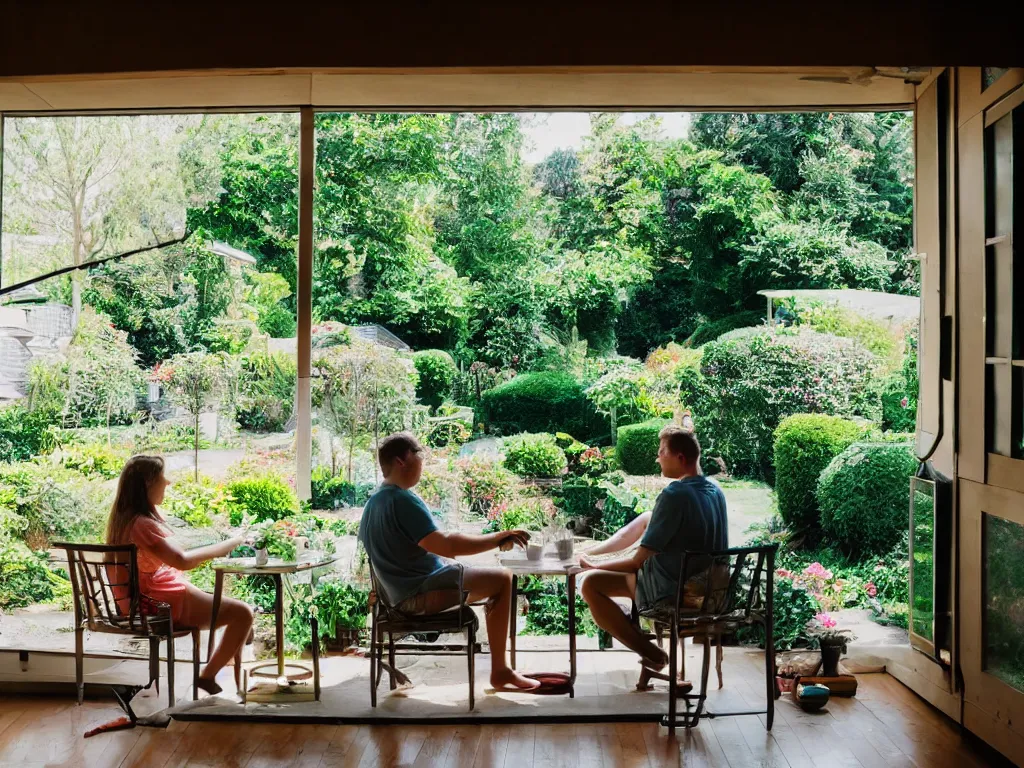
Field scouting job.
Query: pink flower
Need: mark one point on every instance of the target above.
(826, 621)
(871, 589)
(904, 402)
(784, 573)
(817, 570)
(837, 587)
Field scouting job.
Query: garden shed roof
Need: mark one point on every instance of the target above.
(877, 305)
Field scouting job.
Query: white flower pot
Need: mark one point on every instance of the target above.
(262, 557)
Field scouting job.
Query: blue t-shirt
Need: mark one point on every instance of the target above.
(689, 516)
(394, 522)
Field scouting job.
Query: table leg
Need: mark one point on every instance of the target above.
(218, 589)
(570, 593)
(279, 621)
(512, 622)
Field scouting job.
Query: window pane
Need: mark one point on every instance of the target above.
(922, 559)
(1004, 600)
(990, 74)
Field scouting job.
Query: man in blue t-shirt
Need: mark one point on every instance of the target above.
(689, 515)
(413, 560)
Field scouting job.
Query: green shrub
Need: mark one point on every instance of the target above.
(330, 491)
(872, 334)
(57, 504)
(547, 613)
(266, 392)
(533, 455)
(711, 330)
(864, 496)
(25, 433)
(197, 503)
(437, 373)
(900, 392)
(804, 445)
(484, 483)
(542, 402)
(637, 447)
(94, 459)
(24, 577)
(263, 498)
(755, 378)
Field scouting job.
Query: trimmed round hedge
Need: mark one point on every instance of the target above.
(636, 447)
(804, 445)
(542, 402)
(864, 497)
(533, 456)
(437, 373)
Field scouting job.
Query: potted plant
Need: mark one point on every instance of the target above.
(274, 538)
(341, 608)
(831, 641)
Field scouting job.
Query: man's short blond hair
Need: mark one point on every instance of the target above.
(681, 441)
(396, 446)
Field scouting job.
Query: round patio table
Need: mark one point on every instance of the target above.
(276, 568)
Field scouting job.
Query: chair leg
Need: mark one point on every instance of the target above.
(705, 670)
(391, 662)
(718, 659)
(373, 663)
(170, 667)
(673, 677)
(470, 652)
(154, 662)
(682, 658)
(195, 664)
(80, 663)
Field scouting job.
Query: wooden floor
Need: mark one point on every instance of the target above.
(885, 725)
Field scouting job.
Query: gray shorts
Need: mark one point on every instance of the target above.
(438, 592)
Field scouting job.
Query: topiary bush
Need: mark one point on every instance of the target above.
(264, 498)
(711, 330)
(754, 378)
(804, 445)
(637, 447)
(437, 373)
(542, 402)
(864, 497)
(533, 456)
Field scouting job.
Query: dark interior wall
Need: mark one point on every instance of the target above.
(46, 37)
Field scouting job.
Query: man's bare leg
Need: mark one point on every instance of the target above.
(598, 589)
(494, 585)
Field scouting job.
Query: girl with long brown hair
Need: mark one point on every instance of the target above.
(134, 519)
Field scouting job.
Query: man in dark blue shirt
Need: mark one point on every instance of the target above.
(413, 561)
(689, 515)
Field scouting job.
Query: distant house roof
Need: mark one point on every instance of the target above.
(378, 334)
(874, 304)
(223, 249)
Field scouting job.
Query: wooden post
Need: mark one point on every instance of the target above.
(304, 422)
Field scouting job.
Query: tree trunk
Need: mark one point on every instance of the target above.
(614, 421)
(196, 457)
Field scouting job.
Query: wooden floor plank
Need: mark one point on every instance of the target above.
(465, 743)
(520, 747)
(434, 751)
(493, 744)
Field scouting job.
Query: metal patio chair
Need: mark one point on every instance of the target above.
(105, 588)
(732, 588)
(388, 621)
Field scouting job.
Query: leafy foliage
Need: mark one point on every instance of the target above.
(804, 445)
(25, 433)
(753, 379)
(330, 491)
(198, 503)
(533, 455)
(529, 514)
(262, 498)
(864, 495)
(484, 484)
(637, 447)
(437, 372)
(266, 392)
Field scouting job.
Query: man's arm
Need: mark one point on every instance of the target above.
(623, 564)
(461, 544)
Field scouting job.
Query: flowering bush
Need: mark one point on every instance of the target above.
(525, 514)
(825, 631)
(484, 483)
(752, 380)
